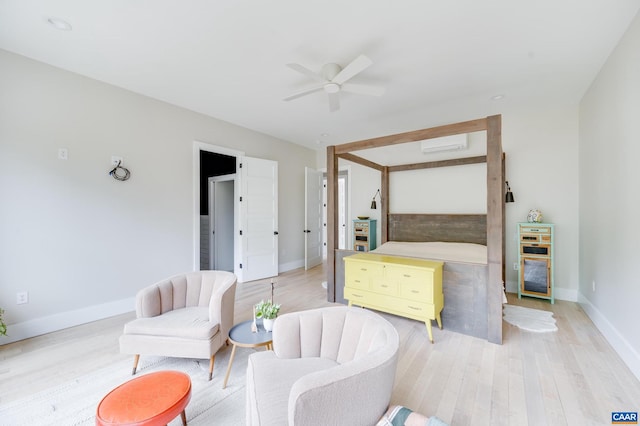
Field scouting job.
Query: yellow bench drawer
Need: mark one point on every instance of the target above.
(414, 309)
(362, 274)
(383, 286)
(356, 296)
(409, 275)
(358, 281)
(413, 284)
(418, 292)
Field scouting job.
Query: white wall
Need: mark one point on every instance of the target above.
(82, 243)
(610, 199)
(541, 166)
(541, 147)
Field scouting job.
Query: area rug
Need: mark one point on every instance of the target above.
(529, 319)
(75, 402)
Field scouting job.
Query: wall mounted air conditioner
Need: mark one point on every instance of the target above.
(447, 143)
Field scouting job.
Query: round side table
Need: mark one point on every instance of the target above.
(241, 335)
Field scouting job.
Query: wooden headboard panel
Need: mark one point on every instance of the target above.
(456, 228)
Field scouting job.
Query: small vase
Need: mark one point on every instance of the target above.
(534, 216)
(268, 324)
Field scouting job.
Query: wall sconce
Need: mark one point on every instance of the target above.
(373, 201)
(508, 197)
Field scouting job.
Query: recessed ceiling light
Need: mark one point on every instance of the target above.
(59, 24)
(497, 97)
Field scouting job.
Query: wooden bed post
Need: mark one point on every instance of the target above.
(384, 205)
(504, 212)
(495, 228)
(332, 220)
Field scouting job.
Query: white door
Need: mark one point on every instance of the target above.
(312, 218)
(258, 218)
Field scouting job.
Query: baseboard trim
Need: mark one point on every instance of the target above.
(62, 320)
(561, 293)
(290, 266)
(620, 344)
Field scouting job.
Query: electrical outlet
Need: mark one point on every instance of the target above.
(63, 154)
(515, 266)
(22, 298)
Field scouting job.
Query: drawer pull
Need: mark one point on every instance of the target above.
(363, 269)
(406, 275)
(415, 291)
(414, 308)
(357, 295)
(357, 281)
(384, 286)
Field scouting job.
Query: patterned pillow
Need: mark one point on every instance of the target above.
(398, 415)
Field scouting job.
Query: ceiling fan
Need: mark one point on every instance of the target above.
(333, 79)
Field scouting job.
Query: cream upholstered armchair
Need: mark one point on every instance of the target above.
(330, 366)
(185, 316)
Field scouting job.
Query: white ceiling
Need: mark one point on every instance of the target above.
(440, 61)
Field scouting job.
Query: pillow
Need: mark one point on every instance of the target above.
(398, 415)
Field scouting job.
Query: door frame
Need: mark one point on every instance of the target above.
(344, 170)
(319, 207)
(197, 147)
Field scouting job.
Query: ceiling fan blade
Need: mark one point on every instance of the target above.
(307, 72)
(303, 92)
(334, 101)
(363, 89)
(356, 66)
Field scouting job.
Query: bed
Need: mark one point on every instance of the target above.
(464, 279)
(473, 290)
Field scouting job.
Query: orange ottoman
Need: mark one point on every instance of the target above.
(152, 399)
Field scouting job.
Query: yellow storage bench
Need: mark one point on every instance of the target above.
(402, 286)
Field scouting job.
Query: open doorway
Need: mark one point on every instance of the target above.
(254, 250)
(221, 222)
(344, 228)
(315, 212)
(216, 167)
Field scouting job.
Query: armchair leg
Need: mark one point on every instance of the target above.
(136, 358)
(213, 358)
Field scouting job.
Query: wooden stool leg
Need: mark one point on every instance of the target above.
(183, 415)
(135, 364)
(213, 358)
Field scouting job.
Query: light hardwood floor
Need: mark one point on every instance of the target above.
(569, 377)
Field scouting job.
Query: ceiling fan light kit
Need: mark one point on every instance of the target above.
(333, 79)
(331, 88)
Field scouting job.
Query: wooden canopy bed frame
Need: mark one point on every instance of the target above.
(481, 229)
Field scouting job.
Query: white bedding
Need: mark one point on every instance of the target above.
(447, 252)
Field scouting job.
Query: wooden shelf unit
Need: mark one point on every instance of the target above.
(535, 257)
(364, 234)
